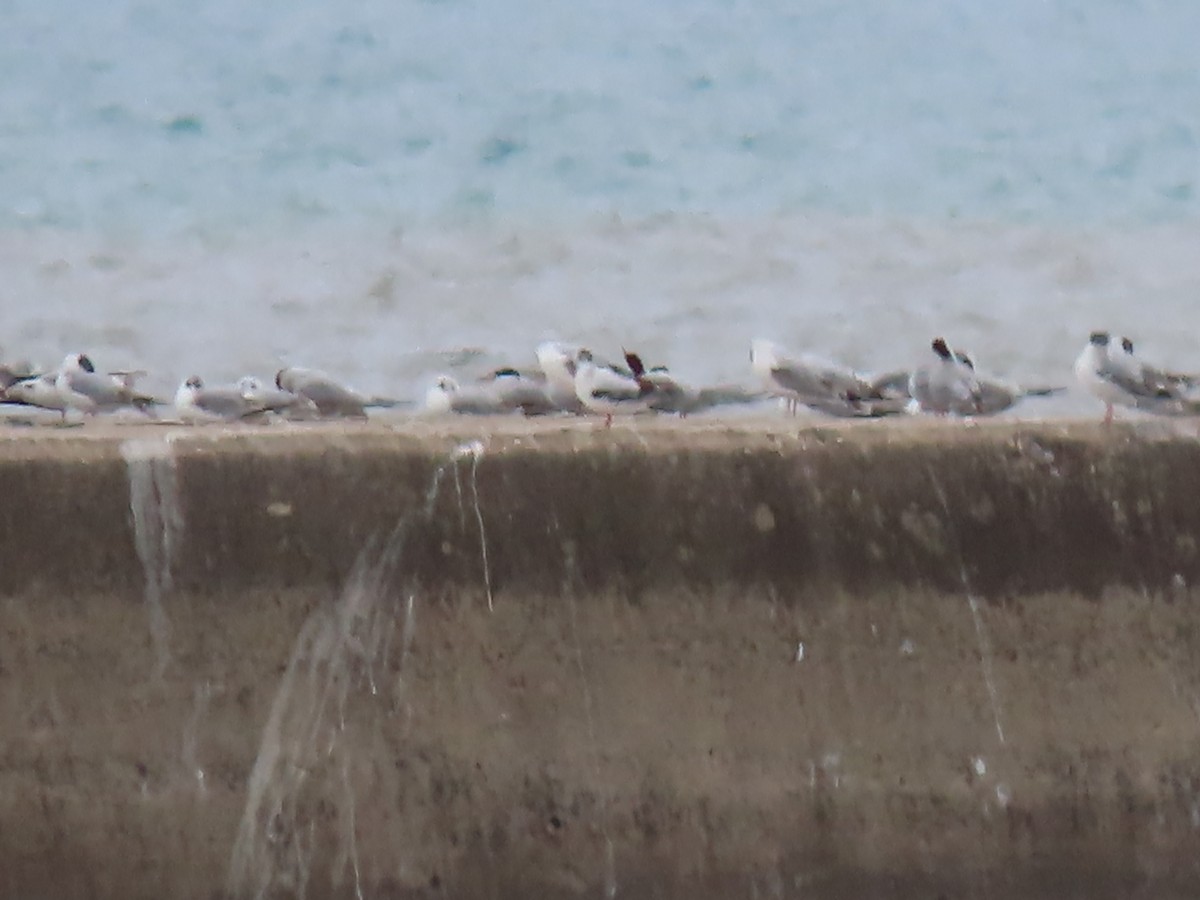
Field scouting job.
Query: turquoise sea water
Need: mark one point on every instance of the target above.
(369, 187)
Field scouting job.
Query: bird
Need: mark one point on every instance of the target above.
(447, 396)
(607, 390)
(197, 404)
(11, 373)
(502, 391)
(991, 396)
(946, 386)
(996, 396)
(40, 391)
(1123, 381)
(273, 399)
(810, 380)
(331, 399)
(557, 361)
(530, 393)
(669, 395)
(1152, 377)
(84, 389)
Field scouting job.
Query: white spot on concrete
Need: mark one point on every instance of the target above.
(473, 449)
(980, 766)
(800, 652)
(764, 519)
(1003, 796)
(278, 510)
(907, 647)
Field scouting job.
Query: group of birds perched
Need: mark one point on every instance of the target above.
(570, 379)
(76, 386)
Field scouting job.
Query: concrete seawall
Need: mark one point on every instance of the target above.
(541, 660)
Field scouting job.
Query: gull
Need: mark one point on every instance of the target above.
(39, 391)
(481, 398)
(827, 386)
(197, 404)
(996, 396)
(811, 380)
(607, 390)
(992, 395)
(503, 391)
(11, 373)
(448, 396)
(557, 361)
(1152, 377)
(331, 399)
(668, 395)
(84, 389)
(517, 390)
(1122, 380)
(271, 399)
(1107, 380)
(947, 385)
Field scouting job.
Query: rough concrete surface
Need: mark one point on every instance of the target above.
(516, 659)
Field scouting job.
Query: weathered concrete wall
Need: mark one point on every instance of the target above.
(672, 661)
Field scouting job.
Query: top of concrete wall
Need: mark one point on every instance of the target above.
(995, 508)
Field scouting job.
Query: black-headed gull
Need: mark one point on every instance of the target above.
(503, 391)
(1151, 376)
(197, 404)
(84, 389)
(11, 373)
(609, 391)
(669, 395)
(558, 361)
(332, 400)
(39, 391)
(946, 386)
(275, 400)
(990, 395)
(530, 393)
(1117, 378)
(823, 385)
(446, 395)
